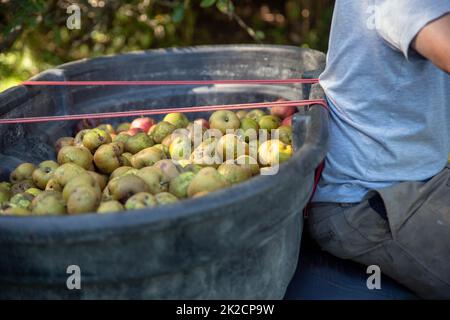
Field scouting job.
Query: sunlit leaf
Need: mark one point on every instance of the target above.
(207, 3)
(178, 13)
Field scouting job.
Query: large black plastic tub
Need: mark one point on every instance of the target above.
(234, 244)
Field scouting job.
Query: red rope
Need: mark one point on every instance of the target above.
(138, 113)
(165, 83)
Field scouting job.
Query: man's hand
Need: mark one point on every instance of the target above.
(433, 42)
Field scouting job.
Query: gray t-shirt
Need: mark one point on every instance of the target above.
(390, 108)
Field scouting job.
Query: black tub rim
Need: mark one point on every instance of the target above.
(190, 49)
(48, 228)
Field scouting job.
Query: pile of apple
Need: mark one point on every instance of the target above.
(147, 163)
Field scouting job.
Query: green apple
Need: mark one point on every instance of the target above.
(34, 191)
(83, 199)
(224, 120)
(167, 140)
(205, 154)
(53, 185)
(75, 154)
(249, 129)
(249, 163)
(14, 211)
(138, 142)
(163, 148)
(122, 136)
(229, 147)
(192, 167)
(284, 134)
(161, 130)
(147, 157)
(22, 200)
(234, 173)
(178, 119)
(82, 180)
(78, 140)
(107, 158)
(179, 185)
(140, 201)
(22, 172)
(94, 138)
(120, 171)
(165, 198)
(101, 179)
(124, 126)
(6, 185)
(122, 188)
(241, 114)
(256, 114)
(273, 152)
(5, 195)
(48, 203)
(110, 206)
(43, 173)
(155, 179)
(125, 159)
(180, 148)
(207, 180)
(107, 127)
(62, 142)
(269, 123)
(64, 173)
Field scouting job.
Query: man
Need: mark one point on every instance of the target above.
(384, 196)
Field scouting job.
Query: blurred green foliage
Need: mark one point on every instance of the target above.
(34, 35)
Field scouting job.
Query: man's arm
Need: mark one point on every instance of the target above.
(433, 42)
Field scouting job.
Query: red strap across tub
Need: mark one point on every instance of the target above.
(166, 82)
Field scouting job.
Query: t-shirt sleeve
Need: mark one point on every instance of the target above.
(399, 21)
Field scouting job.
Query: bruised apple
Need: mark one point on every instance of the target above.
(107, 157)
(44, 173)
(75, 154)
(207, 180)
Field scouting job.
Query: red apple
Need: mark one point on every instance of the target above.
(143, 123)
(134, 131)
(204, 123)
(287, 121)
(282, 112)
